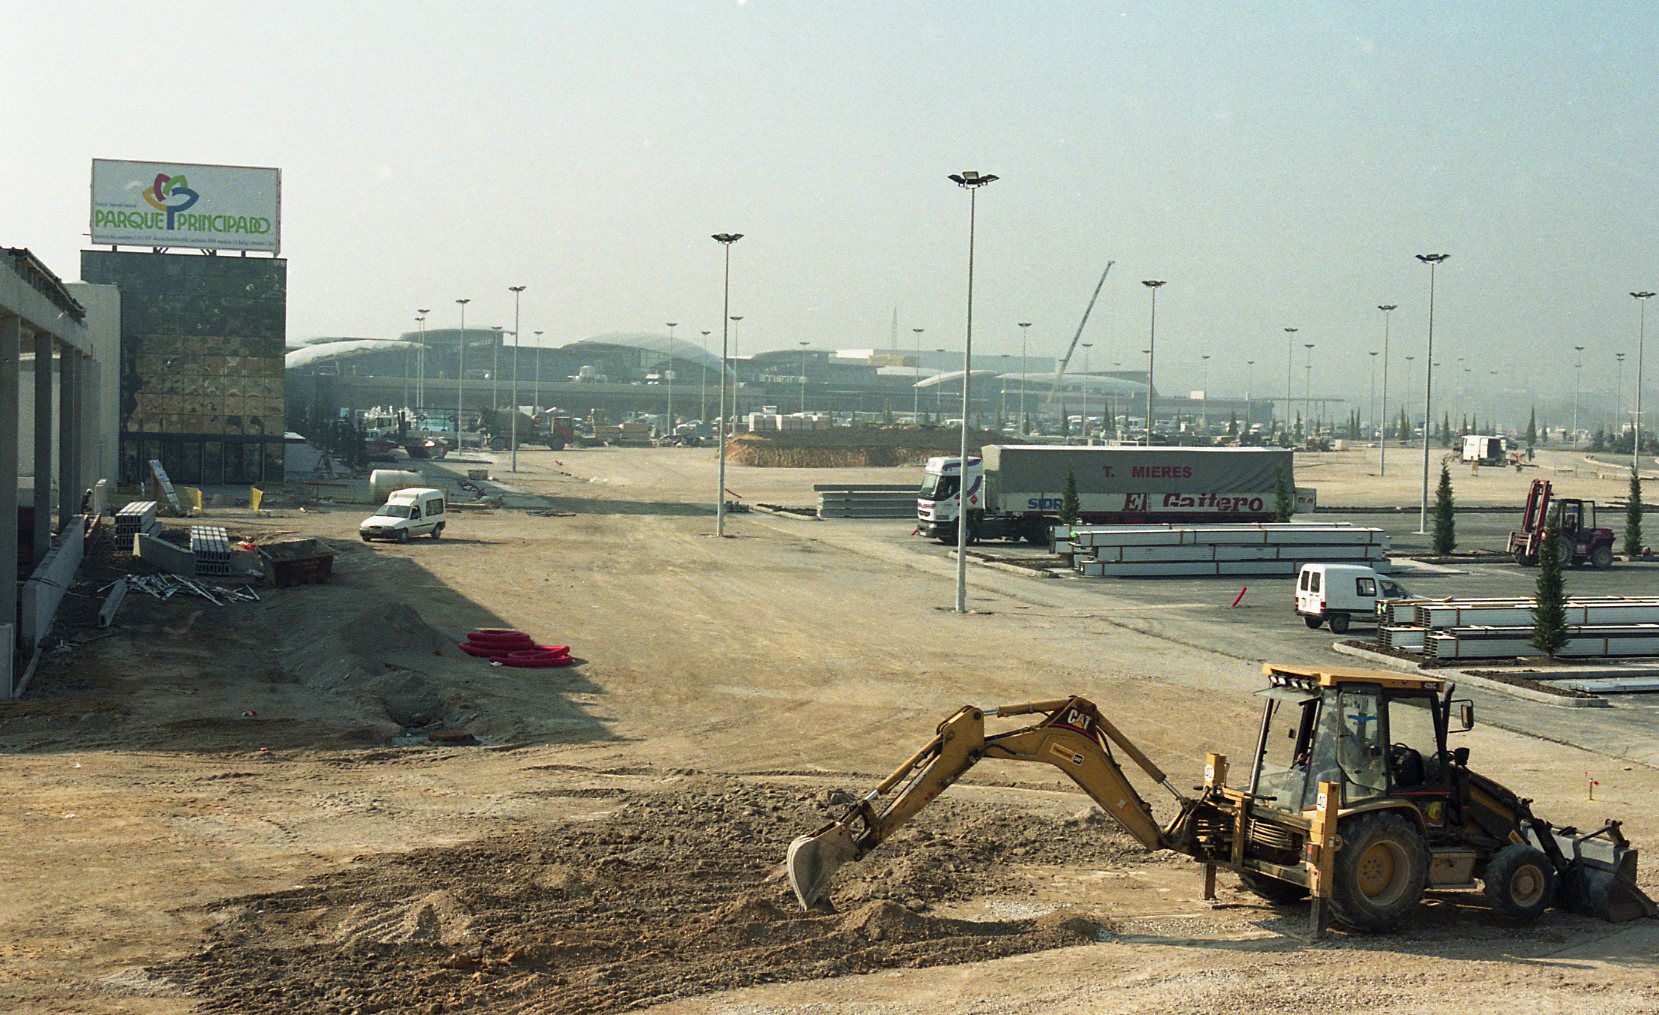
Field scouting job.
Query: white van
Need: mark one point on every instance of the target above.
(1336, 592)
(418, 511)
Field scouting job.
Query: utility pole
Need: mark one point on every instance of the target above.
(803, 346)
(703, 382)
(737, 410)
(537, 396)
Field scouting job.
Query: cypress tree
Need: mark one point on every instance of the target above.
(1549, 612)
(1070, 506)
(1633, 518)
(1445, 522)
(1284, 503)
(1065, 421)
(1532, 430)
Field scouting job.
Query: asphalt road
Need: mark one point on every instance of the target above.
(1195, 612)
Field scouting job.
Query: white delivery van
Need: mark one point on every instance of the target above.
(1336, 592)
(418, 511)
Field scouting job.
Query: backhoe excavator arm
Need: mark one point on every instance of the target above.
(1072, 736)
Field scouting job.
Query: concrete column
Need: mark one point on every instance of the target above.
(43, 444)
(69, 497)
(90, 434)
(11, 342)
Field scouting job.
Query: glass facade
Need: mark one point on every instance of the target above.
(201, 363)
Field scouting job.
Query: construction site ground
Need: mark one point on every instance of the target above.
(237, 809)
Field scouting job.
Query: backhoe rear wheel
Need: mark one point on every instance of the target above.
(1520, 882)
(1272, 889)
(1380, 871)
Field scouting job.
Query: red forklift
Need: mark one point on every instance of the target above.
(1574, 520)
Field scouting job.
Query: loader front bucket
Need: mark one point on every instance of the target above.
(814, 859)
(1600, 877)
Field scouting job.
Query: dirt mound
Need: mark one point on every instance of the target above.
(848, 447)
(437, 917)
(678, 894)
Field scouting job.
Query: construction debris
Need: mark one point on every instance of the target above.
(112, 602)
(165, 586)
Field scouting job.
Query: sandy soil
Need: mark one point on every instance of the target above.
(235, 809)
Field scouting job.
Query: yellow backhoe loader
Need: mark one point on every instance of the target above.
(1352, 798)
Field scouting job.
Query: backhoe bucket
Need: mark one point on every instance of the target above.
(813, 860)
(1600, 878)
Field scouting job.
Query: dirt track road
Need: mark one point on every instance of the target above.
(613, 842)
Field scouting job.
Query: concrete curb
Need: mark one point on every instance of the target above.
(1464, 677)
(1023, 572)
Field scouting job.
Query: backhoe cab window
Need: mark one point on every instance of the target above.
(1350, 748)
(1414, 759)
(938, 487)
(1284, 766)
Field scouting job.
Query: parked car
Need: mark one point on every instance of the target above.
(418, 511)
(1337, 592)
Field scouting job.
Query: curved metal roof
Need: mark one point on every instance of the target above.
(642, 341)
(337, 349)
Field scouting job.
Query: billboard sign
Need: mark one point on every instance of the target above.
(175, 204)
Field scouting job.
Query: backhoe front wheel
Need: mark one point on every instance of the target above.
(1380, 871)
(1520, 882)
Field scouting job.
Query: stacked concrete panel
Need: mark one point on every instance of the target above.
(1452, 629)
(1259, 548)
(868, 500)
(133, 518)
(211, 546)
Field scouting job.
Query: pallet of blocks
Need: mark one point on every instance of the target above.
(211, 545)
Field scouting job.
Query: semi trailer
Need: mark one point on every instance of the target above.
(1016, 491)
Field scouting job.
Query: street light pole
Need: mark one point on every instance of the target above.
(495, 369)
(916, 392)
(1641, 341)
(703, 382)
(671, 326)
(1085, 382)
(1025, 329)
(1290, 359)
(1578, 370)
(1249, 372)
(1151, 353)
(1307, 387)
(1204, 397)
(1433, 261)
(1618, 399)
(515, 290)
(538, 374)
(725, 240)
(461, 374)
(737, 410)
(1371, 399)
(971, 182)
(803, 346)
(420, 365)
(1382, 434)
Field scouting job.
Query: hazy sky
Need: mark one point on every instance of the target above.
(1278, 165)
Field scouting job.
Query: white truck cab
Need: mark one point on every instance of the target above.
(418, 511)
(1336, 592)
(939, 501)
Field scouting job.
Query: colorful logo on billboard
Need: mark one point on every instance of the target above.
(171, 194)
